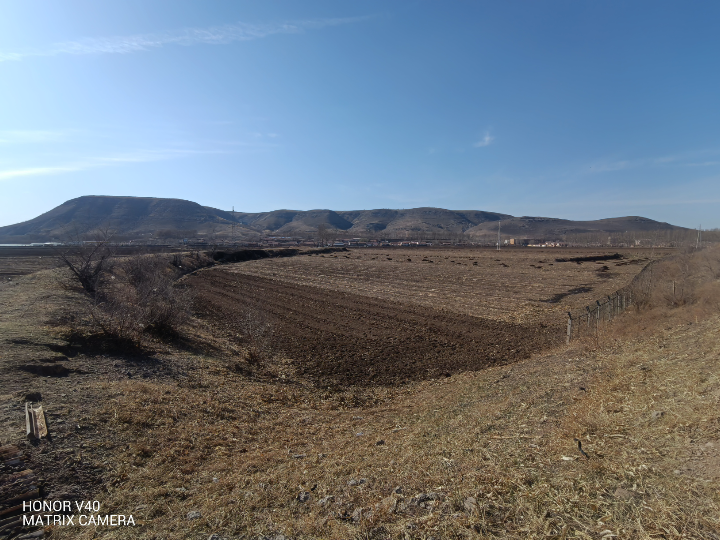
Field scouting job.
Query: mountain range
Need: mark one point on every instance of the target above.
(150, 217)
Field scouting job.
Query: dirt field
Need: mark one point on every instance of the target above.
(386, 317)
(20, 261)
(341, 338)
(523, 285)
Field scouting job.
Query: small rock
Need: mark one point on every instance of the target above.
(193, 514)
(357, 482)
(387, 505)
(326, 500)
(625, 495)
(298, 456)
(424, 497)
(361, 513)
(303, 496)
(215, 480)
(380, 442)
(657, 415)
(470, 505)
(398, 490)
(216, 536)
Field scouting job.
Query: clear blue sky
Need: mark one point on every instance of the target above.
(573, 109)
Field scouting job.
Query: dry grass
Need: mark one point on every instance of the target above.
(520, 285)
(496, 447)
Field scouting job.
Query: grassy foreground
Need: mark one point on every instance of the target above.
(477, 455)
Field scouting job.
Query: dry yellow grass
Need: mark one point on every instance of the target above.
(497, 447)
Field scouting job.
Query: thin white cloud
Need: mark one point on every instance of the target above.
(485, 141)
(686, 159)
(37, 171)
(214, 35)
(98, 162)
(24, 136)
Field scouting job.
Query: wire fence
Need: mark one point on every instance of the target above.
(587, 321)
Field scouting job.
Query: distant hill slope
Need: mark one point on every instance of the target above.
(144, 217)
(133, 216)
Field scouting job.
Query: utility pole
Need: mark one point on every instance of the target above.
(498, 248)
(697, 240)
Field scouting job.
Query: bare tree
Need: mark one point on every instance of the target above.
(88, 261)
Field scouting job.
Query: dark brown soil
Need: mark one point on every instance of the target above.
(341, 339)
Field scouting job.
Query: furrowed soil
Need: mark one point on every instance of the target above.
(388, 316)
(345, 339)
(519, 285)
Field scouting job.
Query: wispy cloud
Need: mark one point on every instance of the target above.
(214, 35)
(686, 159)
(485, 141)
(142, 156)
(24, 136)
(38, 171)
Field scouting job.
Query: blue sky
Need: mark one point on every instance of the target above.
(572, 109)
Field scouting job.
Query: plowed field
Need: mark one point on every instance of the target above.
(514, 285)
(384, 317)
(339, 338)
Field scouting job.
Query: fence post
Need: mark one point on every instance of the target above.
(569, 328)
(597, 316)
(588, 317)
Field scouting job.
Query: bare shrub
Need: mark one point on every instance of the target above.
(681, 280)
(160, 306)
(256, 332)
(88, 263)
(132, 296)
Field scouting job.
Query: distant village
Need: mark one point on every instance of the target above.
(660, 239)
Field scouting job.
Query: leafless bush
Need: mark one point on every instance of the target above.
(132, 296)
(257, 332)
(149, 289)
(684, 279)
(88, 263)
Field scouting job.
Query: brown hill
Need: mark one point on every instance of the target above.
(147, 217)
(124, 216)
